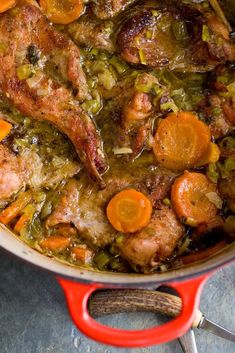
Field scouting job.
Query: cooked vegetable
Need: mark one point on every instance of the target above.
(26, 217)
(189, 200)
(55, 243)
(82, 255)
(144, 103)
(181, 141)
(218, 10)
(180, 30)
(211, 156)
(5, 128)
(62, 11)
(24, 71)
(6, 5)
(102, 259)
(129, 211)
(12, 211)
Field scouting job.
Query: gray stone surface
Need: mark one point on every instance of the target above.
(34, 317)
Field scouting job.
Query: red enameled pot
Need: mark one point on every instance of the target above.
(79, 283)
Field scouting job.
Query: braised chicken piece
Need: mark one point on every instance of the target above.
(135, 111)
(82, 32)
(219, 104)
(12, 174)
(31, 43)
(176, 37)
(85, 206)
(219, 124)
(105, 9)
(148, 106)
(148, 247)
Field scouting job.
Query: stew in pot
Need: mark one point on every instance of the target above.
(117, 130)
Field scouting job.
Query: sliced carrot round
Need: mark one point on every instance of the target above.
(62, 11)
(211, 156)
(181, 141)
(6, 5)
(190, 198)
(129, 211)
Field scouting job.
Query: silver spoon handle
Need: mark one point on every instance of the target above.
(188, 342)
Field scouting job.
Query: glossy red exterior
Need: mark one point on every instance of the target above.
(78, 294)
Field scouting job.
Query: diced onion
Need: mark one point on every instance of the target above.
(35, 79)
(122, 150)
(43, 92)
(215, 199)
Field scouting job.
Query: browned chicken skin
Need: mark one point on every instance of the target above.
(92, 32)
(175, 37)
(105, 9)
(148, 247)
(85, 206)
(19, 30)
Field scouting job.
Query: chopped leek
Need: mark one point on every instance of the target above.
(142, 57)
(205, 34)
(212, 172)
(179, 29)
(119, 65)
(169, 106)
(102, 259)
(107, 79)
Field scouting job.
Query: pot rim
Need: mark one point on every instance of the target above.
(12, 244)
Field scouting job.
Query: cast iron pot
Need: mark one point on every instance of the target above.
(79, 283)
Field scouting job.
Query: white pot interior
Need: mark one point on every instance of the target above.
(14, 245)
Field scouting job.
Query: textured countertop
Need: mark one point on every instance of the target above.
(34, 317)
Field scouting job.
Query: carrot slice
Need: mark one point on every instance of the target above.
(26, 217)
(55, 243)
(12, 211)
(5, 128)
(62, 11)
(82, 255)
(6, 5)
(189, 198)
(129, 211)
(211, 156)
(181, 141)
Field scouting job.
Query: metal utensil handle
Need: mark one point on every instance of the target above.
(188, 342)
